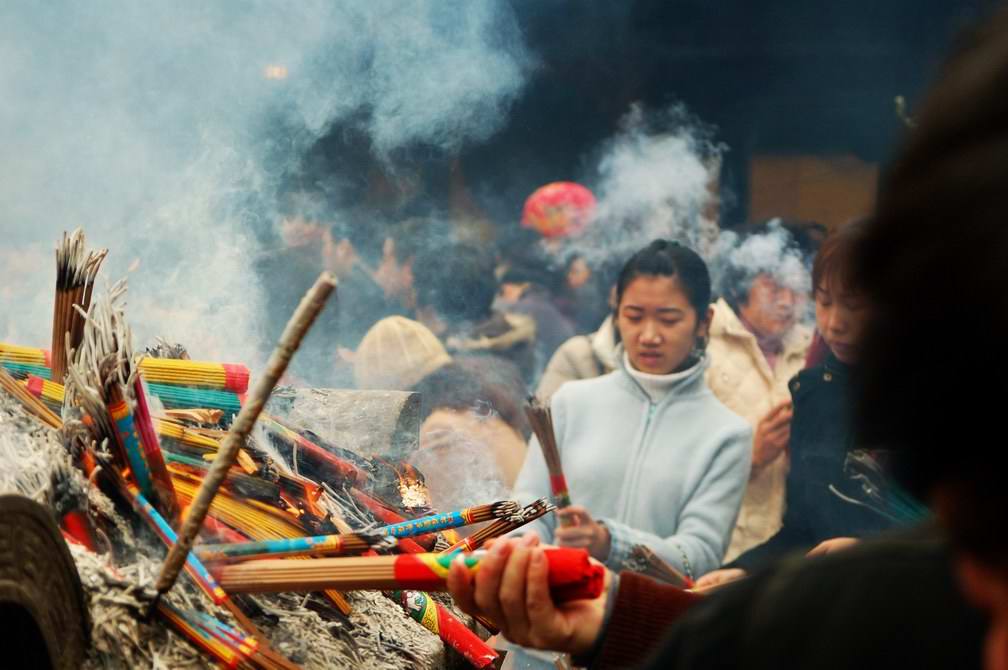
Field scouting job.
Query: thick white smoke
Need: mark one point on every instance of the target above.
(653, 180)
(165, 130)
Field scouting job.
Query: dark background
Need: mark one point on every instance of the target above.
(783, 77)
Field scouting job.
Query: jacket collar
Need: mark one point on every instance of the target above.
(727, 324)
(604, 344)
(690, 381)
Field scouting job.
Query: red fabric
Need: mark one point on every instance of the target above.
(236, 377)
(643, 611)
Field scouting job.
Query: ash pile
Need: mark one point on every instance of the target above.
(118, 453)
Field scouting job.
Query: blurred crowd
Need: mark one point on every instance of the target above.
(754, 431)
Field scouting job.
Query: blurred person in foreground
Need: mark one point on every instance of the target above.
(933, 263)
(651, 456)
(756, 346)
(455, 291)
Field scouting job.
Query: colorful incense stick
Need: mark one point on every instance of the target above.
(463, 517)
(526, 515)
(198, 374)
(572, 575)
(320, 545)
(435, 618)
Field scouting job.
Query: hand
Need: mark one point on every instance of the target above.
(772, 434)
(578, 529)
(718, 578)
(832, 545)
(512, 590)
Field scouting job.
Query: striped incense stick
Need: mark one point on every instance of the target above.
(463, 517)
(526, 515)
(76, 269)
(14, 353)
(319, 545)
(540, 417)
(572, 575)
(198, 374)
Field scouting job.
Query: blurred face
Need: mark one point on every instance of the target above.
(770, 309)
(840, 317)
(658, 325)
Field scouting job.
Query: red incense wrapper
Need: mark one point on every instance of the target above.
(452, 632)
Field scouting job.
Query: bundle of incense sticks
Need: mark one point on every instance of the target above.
(199, 374)
(252, 519)
(183, 397)
(203, 442)
(456, 519)
(572, 575)
(647, 562)
(76, 269)
(226, 646)
(13, 353)
(51, 393)
(431, 615)
(526, 515)
(102, 382)
(237, 481)
(22, 370)
(319, 545)
(386, 515)
(541, 419)
(31, 403)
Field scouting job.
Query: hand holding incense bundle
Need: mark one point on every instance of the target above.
(526, 515)
(540, 417)
(290, 340)
(572, 575)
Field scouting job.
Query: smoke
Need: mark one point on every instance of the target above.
(735, 261)
(653, 179)
(168, 131)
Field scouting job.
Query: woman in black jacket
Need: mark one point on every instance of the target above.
(823, 505)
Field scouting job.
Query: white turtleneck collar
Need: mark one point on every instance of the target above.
(657, 386)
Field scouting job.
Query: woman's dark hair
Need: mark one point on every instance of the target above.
(663, 258)
(480, 383)
(834, 262)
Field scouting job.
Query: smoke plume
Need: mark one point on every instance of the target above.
(166, 131)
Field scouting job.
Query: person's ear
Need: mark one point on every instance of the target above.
(703, 328)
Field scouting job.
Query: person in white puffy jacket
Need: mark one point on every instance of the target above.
(650, 455)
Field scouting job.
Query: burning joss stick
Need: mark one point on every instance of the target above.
(540, 417)
(572, 575)
(320, 545)
(526, 515)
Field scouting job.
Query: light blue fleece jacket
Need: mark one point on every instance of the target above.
(668, 474)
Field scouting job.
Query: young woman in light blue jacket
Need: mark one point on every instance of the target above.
(650, 455)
